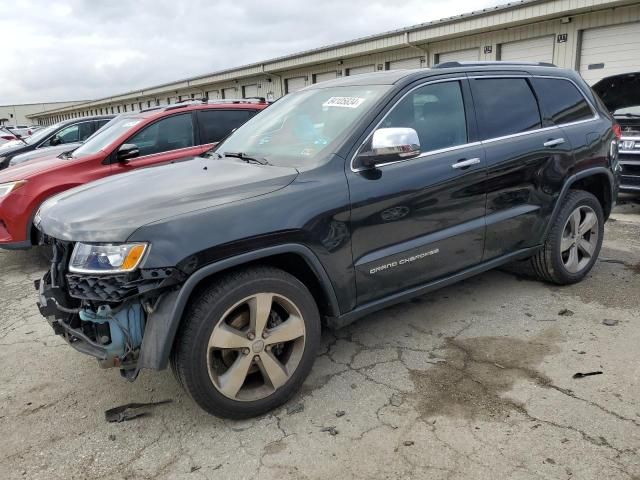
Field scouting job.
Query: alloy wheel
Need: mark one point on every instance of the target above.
(579, 239)
(256, 346)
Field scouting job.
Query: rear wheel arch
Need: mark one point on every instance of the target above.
(598, 181)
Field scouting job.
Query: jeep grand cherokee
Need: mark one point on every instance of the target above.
(340, 199)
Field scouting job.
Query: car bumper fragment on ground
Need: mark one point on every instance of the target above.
(473, 381)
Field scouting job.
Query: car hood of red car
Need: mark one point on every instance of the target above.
(111, 209)
(26, 170)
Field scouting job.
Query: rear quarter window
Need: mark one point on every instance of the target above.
(217, 124)
(561, 101)
(504, 106)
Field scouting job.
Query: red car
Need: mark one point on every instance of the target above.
(130, 141)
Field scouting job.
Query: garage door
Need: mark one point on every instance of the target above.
(323, 77)
(213, 94)
(250, 91)
(229, 93)
(407, 63)
(470, 55)
(609, 50)
(294, 84)
(359, 70)
(531, 50)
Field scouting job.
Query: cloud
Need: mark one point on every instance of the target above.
(85, 49)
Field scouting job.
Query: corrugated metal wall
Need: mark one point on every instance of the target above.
(487, 33)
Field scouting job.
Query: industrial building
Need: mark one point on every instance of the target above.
(23, 114)
(596, 37)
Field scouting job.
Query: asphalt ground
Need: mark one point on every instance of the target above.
(474, 381)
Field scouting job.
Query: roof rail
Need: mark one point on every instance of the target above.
(490, 63)
(150, 109)
(238, 100)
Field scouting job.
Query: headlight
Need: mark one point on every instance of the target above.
(107, 257)
(7, 188)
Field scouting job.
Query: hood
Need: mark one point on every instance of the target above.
(619, 91)
(111, 209)
(26, 170)
(10, 146)
(41, 153)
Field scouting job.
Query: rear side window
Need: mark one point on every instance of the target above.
(217, 124)
(561, 101)
(504, 106)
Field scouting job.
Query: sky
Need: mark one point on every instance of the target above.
(58, 50)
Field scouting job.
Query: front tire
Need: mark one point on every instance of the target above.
(247, 342)
(573, 242)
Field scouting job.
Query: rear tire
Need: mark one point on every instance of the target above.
(247, 342)
(573, 242)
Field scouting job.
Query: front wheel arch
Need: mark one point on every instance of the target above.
(163, 323)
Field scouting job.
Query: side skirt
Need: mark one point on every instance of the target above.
(399, 297)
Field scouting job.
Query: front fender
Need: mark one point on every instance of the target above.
(164, 321)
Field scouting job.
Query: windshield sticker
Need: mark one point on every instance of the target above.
(344, 102)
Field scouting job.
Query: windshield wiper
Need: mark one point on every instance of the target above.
(247, 158)
(211, 153)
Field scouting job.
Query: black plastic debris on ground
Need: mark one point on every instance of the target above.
(130, 411)
(587, 374)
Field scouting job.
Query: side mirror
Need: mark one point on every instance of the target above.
(56, 140)
(389, 145)
(127, 151)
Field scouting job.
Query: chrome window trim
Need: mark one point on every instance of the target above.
(595, 117)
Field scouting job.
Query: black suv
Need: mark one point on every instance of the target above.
(71, 132)
(338, 200)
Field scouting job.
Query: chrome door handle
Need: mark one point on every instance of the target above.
(466, 163)
(554, 142)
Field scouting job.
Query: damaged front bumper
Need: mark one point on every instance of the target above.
(104, 316)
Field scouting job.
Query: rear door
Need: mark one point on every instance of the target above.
(525, 159)
(420, 219)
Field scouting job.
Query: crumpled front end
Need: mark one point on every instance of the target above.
(102, 315)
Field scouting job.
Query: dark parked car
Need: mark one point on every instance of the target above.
(69, 131)
(621, 95)
(338, 200)
(54, 151)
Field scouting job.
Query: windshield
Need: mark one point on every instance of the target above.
(41, 134)
(105, 136)
(303, 128)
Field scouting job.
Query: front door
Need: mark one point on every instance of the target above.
(420, 219)
(169, 139)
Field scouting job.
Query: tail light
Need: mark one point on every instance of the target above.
(617, 130)
(8, 137)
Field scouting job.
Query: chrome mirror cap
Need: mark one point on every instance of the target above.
(390, 145)
(403, 142)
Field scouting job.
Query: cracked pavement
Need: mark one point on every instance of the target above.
(472, 381)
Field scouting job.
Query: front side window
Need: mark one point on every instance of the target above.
(304, 127)
(561, 101)
(74, 133)
(217, 124)
(504, 106)
(164, 135)
(436, 112)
